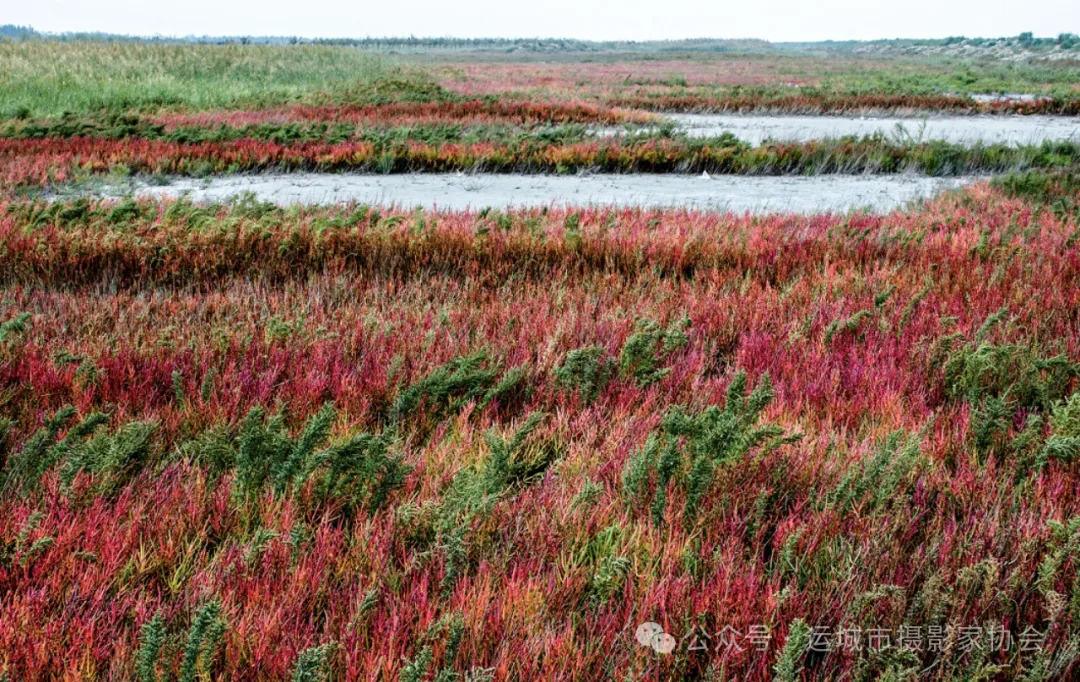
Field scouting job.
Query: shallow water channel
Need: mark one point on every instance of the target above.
(1011, 130)
(461, 191)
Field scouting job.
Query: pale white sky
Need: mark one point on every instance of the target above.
(776, 20)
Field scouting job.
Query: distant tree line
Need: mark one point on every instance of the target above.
(17, 32)
(1027, 40)
(411, 43)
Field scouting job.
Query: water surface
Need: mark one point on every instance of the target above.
(459, 191)
(1012, 130)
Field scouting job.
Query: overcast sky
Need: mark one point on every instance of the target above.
(775, 20)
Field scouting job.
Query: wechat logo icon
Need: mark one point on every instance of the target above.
(652, 635)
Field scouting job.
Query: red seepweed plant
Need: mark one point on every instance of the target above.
(240, 441)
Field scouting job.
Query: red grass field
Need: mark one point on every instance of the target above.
(240, 442)
(483, 502)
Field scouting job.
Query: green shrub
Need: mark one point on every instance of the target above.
(609, 568)
(1000, 382)
(635, 477)
(1065, 418)
(873, 484)
(1059, 191)
(358, 472)
(126, 211)
(586, 371)
(16, 325)
(990, 423)
(572, 231)
(416, 670)
(507, 463)
(1064, 441)
(788, 666)
(1009, 372)
(689, 447)
(113, 459)
(848, 325)
(449, 387)
(24, 469)
(151, 642)
(212, 448)
(648, 347)
(512, 390)
(26, 466)
(5, 431)
(204, 638)
(263, 446)
(476, 490)
(312, 665)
